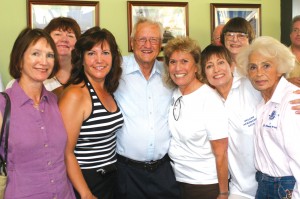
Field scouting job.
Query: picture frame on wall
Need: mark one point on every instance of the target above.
(220, 13)
(41, 12)
(172, 15)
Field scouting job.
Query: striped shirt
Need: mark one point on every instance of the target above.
(96, 144)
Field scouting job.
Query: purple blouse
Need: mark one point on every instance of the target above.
(37, 140)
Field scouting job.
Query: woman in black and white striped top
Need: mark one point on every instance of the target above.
(91, 114)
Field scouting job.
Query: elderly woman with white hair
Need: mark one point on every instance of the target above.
(276, 142)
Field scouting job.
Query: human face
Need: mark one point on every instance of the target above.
(38, 61)
(218, 72)
(235, 42)
(295, 34)
(182, 69)
(263, 74)
(217, 35)
(146, 52)
(98, 61)
(64, 41)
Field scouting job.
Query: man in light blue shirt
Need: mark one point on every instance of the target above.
(144, 169)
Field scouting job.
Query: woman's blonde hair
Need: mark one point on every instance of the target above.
(182, 44)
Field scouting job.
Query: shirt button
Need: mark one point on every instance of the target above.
(52, 181)
(49, 163)
(54, 197)
(42, 111)
(42, 128)
(45, 145)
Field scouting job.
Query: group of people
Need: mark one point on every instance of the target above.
(89, 123)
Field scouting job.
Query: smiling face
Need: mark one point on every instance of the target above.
(235, 42)
(64, 41)
(38, 61)
(218, 72)
(263, 74)
(98, 62)
(182, 69)
(143, 44)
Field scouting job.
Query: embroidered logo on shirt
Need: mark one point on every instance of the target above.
(273, 120)
(249, 121)
(273, 115)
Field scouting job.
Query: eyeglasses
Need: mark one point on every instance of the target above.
(153, 40)
(177, 108)
(296, 30)
(240, 36)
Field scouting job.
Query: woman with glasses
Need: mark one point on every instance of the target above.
(236, 35)
(198, 124)
(276, 136)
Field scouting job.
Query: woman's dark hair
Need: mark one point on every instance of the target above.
(86, 42)
(208, 52)
(238, 24)
(28, 37)
(64, 24)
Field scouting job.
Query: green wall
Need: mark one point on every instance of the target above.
(113, 16)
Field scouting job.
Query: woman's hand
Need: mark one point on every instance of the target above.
(296, 103)
(89, 196)
(219, 148)
(223, 195)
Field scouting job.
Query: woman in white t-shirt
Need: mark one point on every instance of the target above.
(198, 124)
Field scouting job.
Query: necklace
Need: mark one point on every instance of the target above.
(57, 80)
(36, 105)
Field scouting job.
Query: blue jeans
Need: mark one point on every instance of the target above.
(274, 187)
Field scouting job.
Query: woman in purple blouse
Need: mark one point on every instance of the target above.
(37, 138)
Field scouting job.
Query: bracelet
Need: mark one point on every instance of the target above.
(224, 193)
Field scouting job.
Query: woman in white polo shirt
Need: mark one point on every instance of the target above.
(198, 124)
(240, 100)
(276, 141)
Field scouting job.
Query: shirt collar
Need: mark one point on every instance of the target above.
(236, 82)
(20, 96)
(279, 90)
(133, 66)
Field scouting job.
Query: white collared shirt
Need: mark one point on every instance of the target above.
(145, 135)
(241, 105)
(277, 135)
